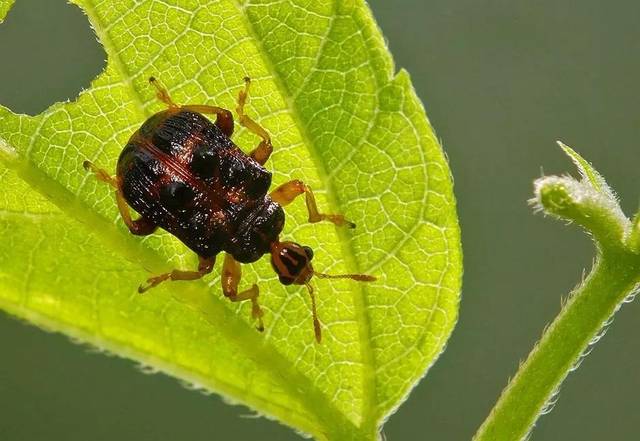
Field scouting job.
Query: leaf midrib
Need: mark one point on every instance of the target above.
(368, 423)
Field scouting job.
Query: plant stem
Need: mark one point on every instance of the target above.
(612, 279)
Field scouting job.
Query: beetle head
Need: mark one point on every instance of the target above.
(292, 263)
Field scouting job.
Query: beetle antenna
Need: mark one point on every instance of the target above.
(314, 312)
(358, 277)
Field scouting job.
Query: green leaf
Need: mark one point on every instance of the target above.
(341, 121)
(5, 5)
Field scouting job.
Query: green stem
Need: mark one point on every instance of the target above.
(612, 279)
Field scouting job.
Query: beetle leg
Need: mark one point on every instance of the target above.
(263, 151)
(224, 118)
(205, 267)
(139, 227)
(231, 274)
(288, 191)
(162, 93)
(101, 174)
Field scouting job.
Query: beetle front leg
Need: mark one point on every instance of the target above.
(288, 191)
(204, 267)
(263, 151)
(231, 274)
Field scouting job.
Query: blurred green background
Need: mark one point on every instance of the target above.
(501, 81)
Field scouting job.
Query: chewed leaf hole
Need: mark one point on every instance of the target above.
(48, 53)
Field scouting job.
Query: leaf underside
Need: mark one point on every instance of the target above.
(341, 121)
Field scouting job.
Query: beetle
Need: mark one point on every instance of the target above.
(183, 173)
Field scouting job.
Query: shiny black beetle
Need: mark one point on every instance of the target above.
(181, 172)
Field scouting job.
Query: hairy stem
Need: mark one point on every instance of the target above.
(612, 279)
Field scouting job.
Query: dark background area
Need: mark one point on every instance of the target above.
(501, 81)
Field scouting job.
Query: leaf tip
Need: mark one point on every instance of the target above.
(588, 173)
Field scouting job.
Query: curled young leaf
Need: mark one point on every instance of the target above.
(589, 309)
(578, 201)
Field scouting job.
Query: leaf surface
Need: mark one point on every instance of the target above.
(324, 86)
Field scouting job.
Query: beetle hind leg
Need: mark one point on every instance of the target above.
(100, 174)
(287, 192)
(139, 227)
(205, 267)
(231, 274)
(261, 153)
(162, 93)
(224, 118)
